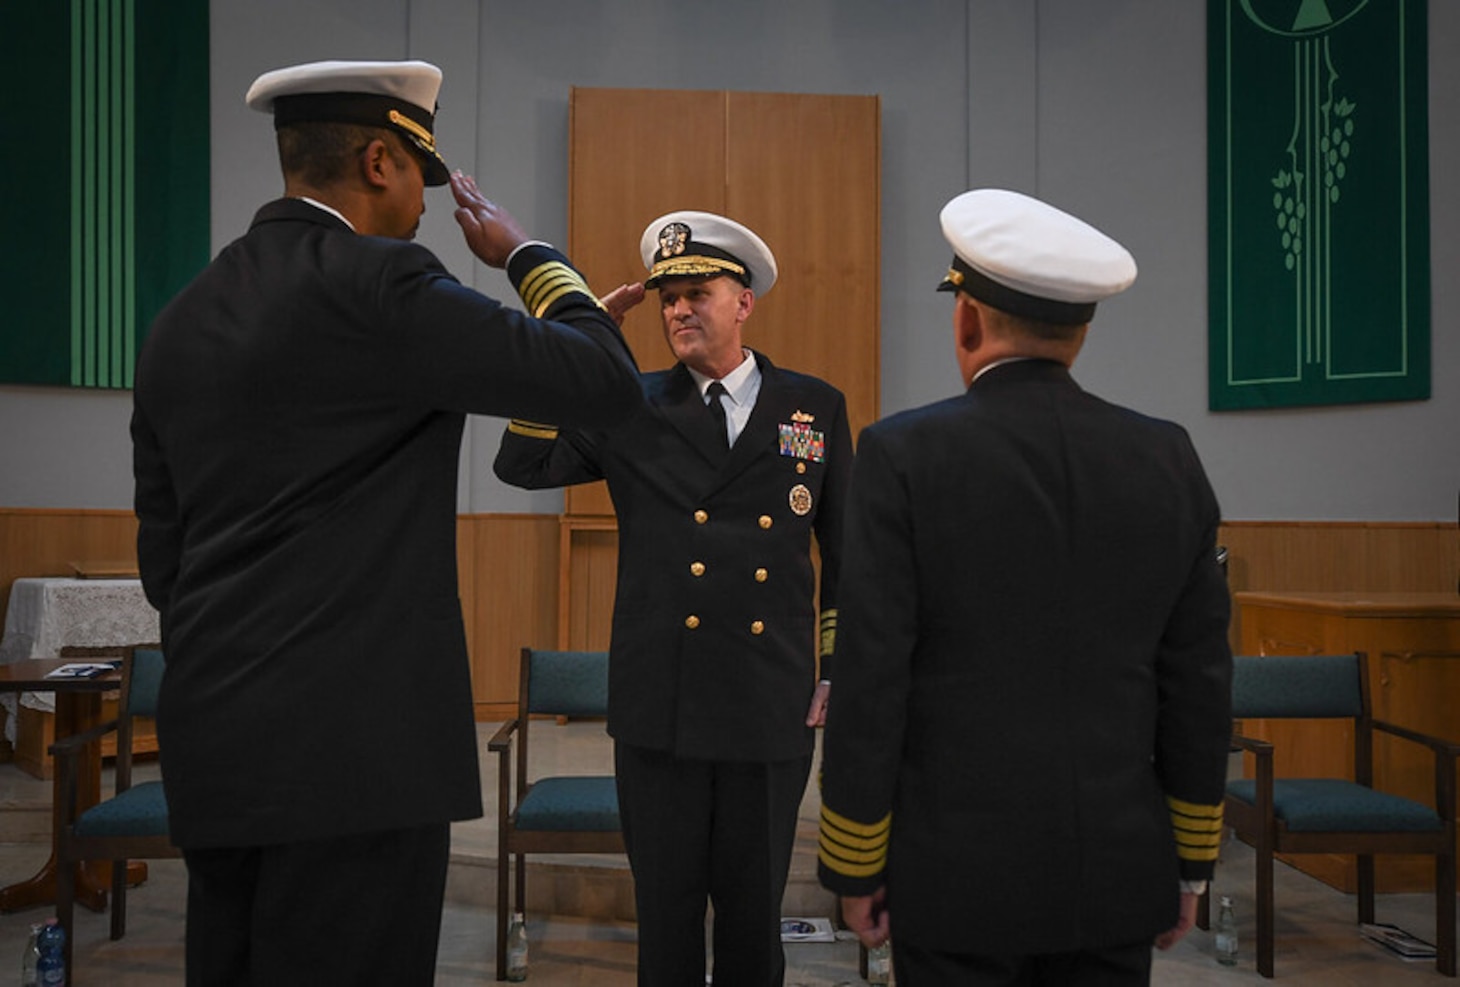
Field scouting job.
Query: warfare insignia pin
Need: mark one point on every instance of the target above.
(672, 239)
(800, 500)
(801, 416)
(803, 442)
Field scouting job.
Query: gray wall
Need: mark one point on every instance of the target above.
(1099, 107)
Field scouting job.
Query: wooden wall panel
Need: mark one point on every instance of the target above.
(587, 582)
(635, 154)
(803, 172)
(510, 571)
(1337, 556)
(509, 577)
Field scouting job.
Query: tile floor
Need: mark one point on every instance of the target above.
(1317, 944)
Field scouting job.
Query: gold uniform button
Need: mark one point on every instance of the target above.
(800, 467)
(757, 627)
(765, 521)
(697, 568)
(761, 575)
(691, 621)
(701, 517)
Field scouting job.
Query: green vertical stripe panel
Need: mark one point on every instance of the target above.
(115, 217)
(116, 90)
(100, 269)
(129, 201)
(87, 151)
(77, 240)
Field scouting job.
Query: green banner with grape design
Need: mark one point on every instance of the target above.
(1318, 202)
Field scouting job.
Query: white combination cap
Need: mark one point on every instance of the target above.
(1026, 257)
(688, 244)
(399, 96)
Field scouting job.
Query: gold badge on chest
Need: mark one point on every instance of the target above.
(800, 500)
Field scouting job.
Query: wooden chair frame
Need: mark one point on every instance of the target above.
(510, 744)
(72, 848)
(1256, 823)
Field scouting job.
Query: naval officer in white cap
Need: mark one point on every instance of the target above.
(297, 423)
(719, 482)
(1023, 768)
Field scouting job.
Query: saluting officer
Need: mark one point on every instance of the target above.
(296, 434)
(719, 483)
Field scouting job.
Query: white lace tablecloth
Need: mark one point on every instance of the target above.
(47, 614)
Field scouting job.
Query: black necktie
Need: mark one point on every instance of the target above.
(717, 410)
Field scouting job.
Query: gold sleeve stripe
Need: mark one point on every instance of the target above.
(1195, 810)
(545, 301)
(532, 430)
(832, 847)
(828, 632)
(1198, 829)
(851, 848)
(851, 870)
(552, 272)
(867, 833)
(548, 282)
(1186, 824)
(1202, 854)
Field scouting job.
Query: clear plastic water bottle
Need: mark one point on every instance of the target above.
(879, 964)
(517, 948)
(50, 964)
(1226, 934)
(29, 957)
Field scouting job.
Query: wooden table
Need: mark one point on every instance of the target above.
(78, 705)
(48, 614)
(1413, 644)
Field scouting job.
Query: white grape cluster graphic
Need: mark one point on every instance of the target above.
(1309, 184)
(1289, 201)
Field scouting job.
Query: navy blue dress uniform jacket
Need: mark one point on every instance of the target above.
(1028, 737)
(297, 424)
(715, 628)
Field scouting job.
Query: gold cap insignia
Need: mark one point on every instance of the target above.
(672, 239)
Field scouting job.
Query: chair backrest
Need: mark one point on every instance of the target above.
(565, 683)
(1307, 687)
(144, 682)
(558, 683)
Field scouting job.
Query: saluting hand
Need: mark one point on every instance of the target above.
(621, 299)
(491, 231)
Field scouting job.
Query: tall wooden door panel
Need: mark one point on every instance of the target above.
(804, 175)
(802, 171)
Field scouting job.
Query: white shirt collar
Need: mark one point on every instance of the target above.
(999, 363)
(329, 209)
(737, 383)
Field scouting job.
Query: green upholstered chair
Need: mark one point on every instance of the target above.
(554, 814)
(1334, 815)
(132, 823)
